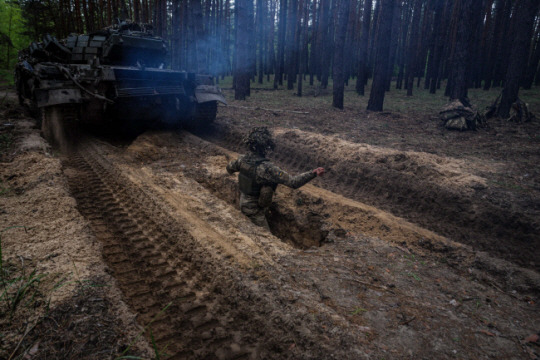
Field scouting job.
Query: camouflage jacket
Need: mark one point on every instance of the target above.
(269, 174)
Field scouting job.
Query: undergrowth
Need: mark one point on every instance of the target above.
(33, 327)
(396, 100)
(6, 77)
(6, 140)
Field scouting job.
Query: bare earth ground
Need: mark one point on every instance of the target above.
(418, 243)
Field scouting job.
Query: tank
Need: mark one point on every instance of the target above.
(115, 77)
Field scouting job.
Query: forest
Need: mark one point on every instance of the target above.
(453, 44)
(123, 234)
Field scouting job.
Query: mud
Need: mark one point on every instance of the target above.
(374, 270)
(363, 263)
(439, 193)
(162, 267)
(42, 232)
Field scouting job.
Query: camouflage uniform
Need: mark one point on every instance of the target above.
(258, 178)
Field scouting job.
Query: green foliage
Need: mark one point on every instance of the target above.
(6, 78)
(13, 34)
(358, 310)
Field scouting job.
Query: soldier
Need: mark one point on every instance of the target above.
(258, 177)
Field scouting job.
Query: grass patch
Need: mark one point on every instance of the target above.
(358, 310)
(6, 77)
(78, 328)
(19, 287)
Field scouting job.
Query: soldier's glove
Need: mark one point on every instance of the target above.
(319, 171)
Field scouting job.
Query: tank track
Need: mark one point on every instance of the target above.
(156, 262)
(206, 113)
(59, 125)
(170, 294)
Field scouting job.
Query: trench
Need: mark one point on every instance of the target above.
(294, 226)
(478, 219)
(312, 232)
(193, 304)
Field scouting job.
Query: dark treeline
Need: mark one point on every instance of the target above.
(460, 44)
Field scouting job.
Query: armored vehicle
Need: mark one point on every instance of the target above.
(113, 77)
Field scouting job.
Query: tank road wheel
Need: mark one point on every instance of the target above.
(206, 114)
(59, 126)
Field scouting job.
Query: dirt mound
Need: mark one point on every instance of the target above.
(401, 286)
(338, 278)
(46, 242)
(441, 194)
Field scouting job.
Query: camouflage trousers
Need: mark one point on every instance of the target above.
(249, 205)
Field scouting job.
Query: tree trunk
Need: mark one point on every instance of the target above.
(302, 18)
(372, 48)
(376, 96)
(362, 60)
(533, 60)
(338, 75)
(322, 35)
(328, 48)
(278, 77)
(242, 68)
(292, 44)
(78, 17)
(396, 24)
(466, 14)
(402, 53)
(260, 39)
(271, 56)
(413, 46)
(525, 13)
(503, 48)
(86, 17)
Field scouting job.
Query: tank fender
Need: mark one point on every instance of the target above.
(205, 93)
(57, 96)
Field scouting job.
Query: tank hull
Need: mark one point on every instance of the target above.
(116, 76)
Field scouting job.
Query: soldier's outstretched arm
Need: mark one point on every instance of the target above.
(273, 174)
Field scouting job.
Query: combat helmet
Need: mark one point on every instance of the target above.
(259, 140)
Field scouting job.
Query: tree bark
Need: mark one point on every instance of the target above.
(467, 13)
(328, 47)
(362, 61)
(282, 30)
(376, 96)
(291, 47)
(396, 24)
(242, 68)
(402, 53)
(534, 59)
(413, 46)
(338, 68)
(525, 13)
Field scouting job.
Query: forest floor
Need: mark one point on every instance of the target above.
(418, 242)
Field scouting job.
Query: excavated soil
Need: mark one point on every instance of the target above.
(395, 253)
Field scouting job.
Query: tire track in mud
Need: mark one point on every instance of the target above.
(143, 259)
(469, 219)
(218, 310)
(315, 217)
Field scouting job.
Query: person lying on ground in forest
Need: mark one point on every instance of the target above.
(258, 177)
